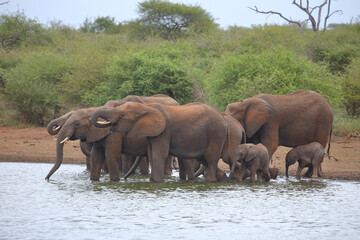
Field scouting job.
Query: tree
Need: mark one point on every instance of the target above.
(171, 20)
(17, 28)
(101, 24)
(310, 11)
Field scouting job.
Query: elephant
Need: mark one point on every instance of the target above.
(289, 120)
(256, 159)
(105, 144)
(194, 130)
(311, 154)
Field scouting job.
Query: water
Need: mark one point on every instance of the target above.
(70, 206)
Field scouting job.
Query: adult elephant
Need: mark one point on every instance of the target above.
(76, 125)
(287, 120)
(187, 131)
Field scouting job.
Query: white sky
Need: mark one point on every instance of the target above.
(226, 12)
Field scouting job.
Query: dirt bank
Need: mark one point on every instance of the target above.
(36, 145)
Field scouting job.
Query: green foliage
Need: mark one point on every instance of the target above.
(33, 86)
(351, 88)
(17, 28)
(278, 72)
(172, 20)
(100, 24)
(148, 72)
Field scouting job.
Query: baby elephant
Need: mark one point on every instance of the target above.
(308, 155)
(255, 158)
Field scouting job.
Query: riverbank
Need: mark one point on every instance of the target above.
(36, 145)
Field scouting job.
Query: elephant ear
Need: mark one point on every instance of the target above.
(95, 134)
(151, 122)
(257, 114)
(251, 153)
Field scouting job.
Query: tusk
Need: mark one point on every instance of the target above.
(56, 128)
(66, 139)
(103, 122)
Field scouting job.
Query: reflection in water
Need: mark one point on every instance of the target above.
(69, 205)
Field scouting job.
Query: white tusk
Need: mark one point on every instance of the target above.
(56, 128)
(103, 122)
(66, 139)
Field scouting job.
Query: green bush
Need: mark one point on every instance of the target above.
(155, 70)
(279, 72)
(351, 88)
(33, 89)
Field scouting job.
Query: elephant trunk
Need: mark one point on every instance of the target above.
(85, 148)
(104, 114)
(200, 171)
(54, 127)
(134, 166)
(59, 158)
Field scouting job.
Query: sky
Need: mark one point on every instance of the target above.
(225, 12)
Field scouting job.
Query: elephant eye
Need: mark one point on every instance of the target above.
(77, 123)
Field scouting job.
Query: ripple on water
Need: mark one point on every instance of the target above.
(71, 205)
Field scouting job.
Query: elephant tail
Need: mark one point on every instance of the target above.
(328, 150)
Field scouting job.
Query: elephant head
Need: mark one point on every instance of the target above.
(291, 158)
(252, 113)
(134, 119)
(77, 126)
(246, 152)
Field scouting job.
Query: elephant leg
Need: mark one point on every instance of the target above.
(88, 163)
(258, 176)
(158, 151)
(182, 169)
(144, 166)
(191, 165)
(298, 172)
(104, 167)
(168, 167)
(309, 172)
(242, 171)
(212, 169)
(97, 160)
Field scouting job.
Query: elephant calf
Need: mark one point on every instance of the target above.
(309, 155)
(256, 159)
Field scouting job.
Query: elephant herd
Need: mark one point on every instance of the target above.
(152, 130)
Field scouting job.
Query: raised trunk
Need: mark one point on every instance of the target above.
(103, 114)
(55, 125)
(59, 158)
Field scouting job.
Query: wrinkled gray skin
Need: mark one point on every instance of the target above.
(185, 131)
(308, 155)
(285, 120)
(76, 125)
(256, 159)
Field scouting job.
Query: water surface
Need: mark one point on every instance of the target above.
(70, 206)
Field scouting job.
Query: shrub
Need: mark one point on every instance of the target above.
(351, 88)
(279, 72)
(32, 87)
(146, 72)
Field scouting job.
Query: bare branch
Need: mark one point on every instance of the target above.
(3, 3)
(277, 13)
(329, 15)
(307, 11)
